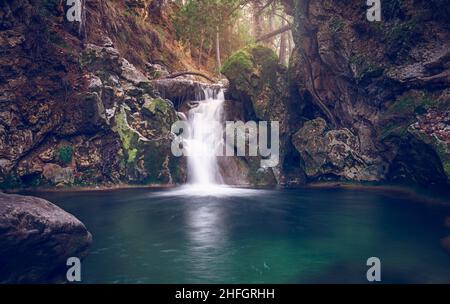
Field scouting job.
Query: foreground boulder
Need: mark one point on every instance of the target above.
(36, 239)
(445, 242)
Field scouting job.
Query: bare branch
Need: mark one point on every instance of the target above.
(274, 33)
(178, 74)
(261, 10)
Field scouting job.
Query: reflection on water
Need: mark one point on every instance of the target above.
(213, 190)
(205, 226)
(257, 236)
(206, 231)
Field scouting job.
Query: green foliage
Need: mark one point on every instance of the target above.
(200, 18)
(198, 21)
(65, 154)
(336, 25)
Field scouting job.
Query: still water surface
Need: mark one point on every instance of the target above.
(257, 236)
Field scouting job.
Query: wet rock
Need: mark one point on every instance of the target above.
(83, 93)
(179, 90)
(333, 152)
(36, 239)
(155, 70)
(130, 73)
(57, 174)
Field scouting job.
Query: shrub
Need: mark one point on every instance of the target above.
(65, 154)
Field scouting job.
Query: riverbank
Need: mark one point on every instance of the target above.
(415, 194)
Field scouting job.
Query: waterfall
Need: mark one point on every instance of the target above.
(205, 139)
(203, 143)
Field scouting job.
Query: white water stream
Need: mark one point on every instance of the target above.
(205, 140)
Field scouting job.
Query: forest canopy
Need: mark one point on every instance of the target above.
(212, 30)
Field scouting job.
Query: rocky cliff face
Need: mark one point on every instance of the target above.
(77, 105)
(381, 90)
(360, 101)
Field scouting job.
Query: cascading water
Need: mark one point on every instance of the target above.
(205, 140)
(203, 143)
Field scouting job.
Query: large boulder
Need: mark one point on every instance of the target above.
(36, 239)
(445, 242)
(336, 152)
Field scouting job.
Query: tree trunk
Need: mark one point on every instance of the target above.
(271, 41)
(283, 45)
(200, 51)
(219, 63)
(257, 26)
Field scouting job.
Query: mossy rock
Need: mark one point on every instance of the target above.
(253, 59)
(161, 113)
(255, 75)
(402, 113)
(127, 135)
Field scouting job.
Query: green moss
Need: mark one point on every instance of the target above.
(239, 61)
(408, 106)
(65, 154)
(263, 55)
(447, 168)
(253, 61)
(159, 106)
(127, 135)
